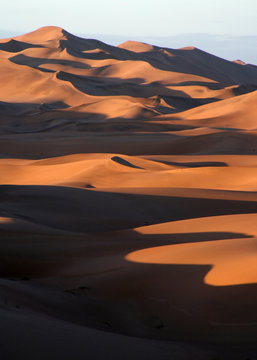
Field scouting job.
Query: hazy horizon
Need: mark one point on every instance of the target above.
(224, 28)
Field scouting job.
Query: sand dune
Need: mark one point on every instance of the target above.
(128, 200)
(236, 113)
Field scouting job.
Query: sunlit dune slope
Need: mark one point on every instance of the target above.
(234, 113)
(233, 260)
(122, 171)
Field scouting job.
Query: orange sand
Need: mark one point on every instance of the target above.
(128, 179)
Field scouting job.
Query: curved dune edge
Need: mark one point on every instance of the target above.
(236, 269)
(232, 261)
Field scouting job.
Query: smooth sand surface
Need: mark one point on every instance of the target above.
(128, 203)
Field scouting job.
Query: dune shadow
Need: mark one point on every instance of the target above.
(193, 164)
(98, 85)
(167, 301)
(170, 302)
(124, 162)
(37, 63)
(72, 132)
(187, 237)
(17, 46)
(167, 59)
(21, 118)
(177, 304)
(89, 210)
(244, 89)
(107, 86)
(136, 87)
(174, 301)
(22, 109)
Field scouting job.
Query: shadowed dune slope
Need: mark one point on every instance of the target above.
(128, 201)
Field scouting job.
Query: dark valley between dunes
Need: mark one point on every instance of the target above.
(128, 201)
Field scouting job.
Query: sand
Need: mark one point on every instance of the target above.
(128, 203)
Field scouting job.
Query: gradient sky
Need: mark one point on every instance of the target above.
(133, 17)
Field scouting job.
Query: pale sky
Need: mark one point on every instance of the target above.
(132, 17)
(226, 28)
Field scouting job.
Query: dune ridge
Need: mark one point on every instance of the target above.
(128, 200)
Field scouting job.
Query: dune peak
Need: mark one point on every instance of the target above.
(136, 46)
(187, 48)
(240, 62)
(42, 34)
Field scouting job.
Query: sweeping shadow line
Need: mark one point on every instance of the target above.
(88, 210)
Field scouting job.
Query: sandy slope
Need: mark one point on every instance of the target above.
(127, 201)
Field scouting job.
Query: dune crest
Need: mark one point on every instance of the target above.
(42, 34)
(136, 46)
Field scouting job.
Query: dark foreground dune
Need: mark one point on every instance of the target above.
(128, 204)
